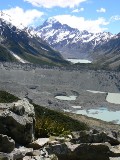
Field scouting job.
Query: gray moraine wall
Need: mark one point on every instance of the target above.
(42, 84)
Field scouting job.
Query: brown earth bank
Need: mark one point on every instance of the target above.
(95, 123)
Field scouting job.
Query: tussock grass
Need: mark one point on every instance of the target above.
(50, 122)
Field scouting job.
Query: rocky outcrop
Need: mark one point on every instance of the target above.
(97, 151)
(23, 107)
(57, 149)
(7, 144)
(18, 122)
(86, 145)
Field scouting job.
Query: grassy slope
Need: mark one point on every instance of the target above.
(6, 97)
(50, 122)
(5, 56)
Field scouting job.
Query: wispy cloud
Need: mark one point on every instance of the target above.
(101, 10)
(81, 23)
(115, 18)
(78, 10)
(55, 3)
(20, 16)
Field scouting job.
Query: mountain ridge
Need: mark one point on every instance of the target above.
(71, 42)
(23, 45)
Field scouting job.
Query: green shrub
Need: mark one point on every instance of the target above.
(50, 122)
(6, 97)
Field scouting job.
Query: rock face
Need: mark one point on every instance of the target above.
(18, 122)
(7, 144)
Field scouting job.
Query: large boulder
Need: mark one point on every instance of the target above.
(23, 107)
(94, 137)
(113, 138)
(7, 144)
(18, 122)
(58, 149)
(86, 151)
(97, 151)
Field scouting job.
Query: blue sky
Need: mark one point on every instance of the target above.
(91, 15)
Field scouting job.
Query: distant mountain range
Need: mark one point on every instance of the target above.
(102, 48)
(28, 45)
(23, 45)
(71, 42)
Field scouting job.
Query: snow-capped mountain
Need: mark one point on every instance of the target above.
(11, 23)
(23, 45)
(8, 19)
(71, 42)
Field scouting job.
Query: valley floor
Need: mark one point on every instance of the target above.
(42, 85)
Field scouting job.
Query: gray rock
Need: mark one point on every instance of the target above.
(23, 107)
(34, 153)
(100, 148)
(7, 144)
(28, 158)
(58, 149)
(51, 157)
(20, 152)
(20, 128)
(60, 139)
(5, 156)
(19, 110)
(38, 143)
(114, 158)
(93, 137)
(113, 140)
(16, 154)
(99, 151)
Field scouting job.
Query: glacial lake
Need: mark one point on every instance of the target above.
(101, 113)
(66, 98)
(79, 61)
(111, 97)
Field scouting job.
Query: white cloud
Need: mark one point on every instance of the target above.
(115, 18)
(55, 3)
(78, 10)
(18, 16)
(81, 23)
(101, 10)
